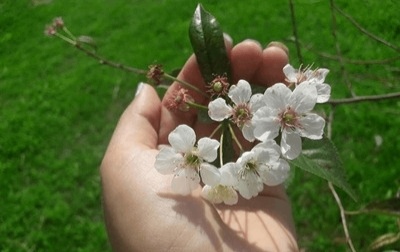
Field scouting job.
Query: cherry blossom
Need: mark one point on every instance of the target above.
(240, 111)
(289, 113)
(188, 160)
(313, 77)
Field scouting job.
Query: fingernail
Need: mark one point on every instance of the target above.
(228, 38)
(253, 41)
(139, 88)
(280, 45)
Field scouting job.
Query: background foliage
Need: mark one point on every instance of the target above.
(58, 109)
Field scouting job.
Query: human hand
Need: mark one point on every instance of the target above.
(141, 212)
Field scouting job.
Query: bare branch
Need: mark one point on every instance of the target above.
(363, 30)
(343, 216)
(295, 34)
(338, 51)
(368, 98)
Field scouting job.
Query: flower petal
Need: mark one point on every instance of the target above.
(266, 124)
(248, 132)
(312, 126)
(256, 102)
(277, 96)
(290, 145)
(229, 174)
(185, 181)
(250, 186)
(324, 92)
(182, 138)
(230, 196)
(290, 73)
(303, 98)
(167, 160)
(218, 110)
(207, 149)
(210, 193)
(277, 174)
(209, 174)
(240, 93)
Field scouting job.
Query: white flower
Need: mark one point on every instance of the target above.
(224, 191)
(289, 112)
(187, 161)
(242, 110)
(314, 77)
(261, 165)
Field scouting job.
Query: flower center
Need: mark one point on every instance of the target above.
(289, 118)
(192, 160)
(241, 115)
(250, 166)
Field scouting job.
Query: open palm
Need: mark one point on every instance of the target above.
(141, 212)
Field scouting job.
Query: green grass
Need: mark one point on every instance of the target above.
(58, 109)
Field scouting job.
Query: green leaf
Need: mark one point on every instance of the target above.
(321, 158)
(208, 45)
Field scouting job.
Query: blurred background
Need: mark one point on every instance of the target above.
(58, 108)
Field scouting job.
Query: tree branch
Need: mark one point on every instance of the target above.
(368, 98)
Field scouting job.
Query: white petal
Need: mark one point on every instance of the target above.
(277, 96)
(266, 124)
(167, 160)
(185, 181)
(266, 154)
(209, 193)
(248, 132)
(182, 138)
(218, 110)
(231, 197)
(240, 93)
(290, 73)
(324, 92)
(312, 126)
(320, 74)
(290, 145)
(277, 174)
(256, 102)
(207, 149)
(209, 174)
(303, 98)
(229, 174)
(250, 186)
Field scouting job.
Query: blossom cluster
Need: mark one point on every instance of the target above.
(275, 122)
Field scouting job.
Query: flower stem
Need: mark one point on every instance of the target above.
(186, 84)
(196, 105)
(235, 138)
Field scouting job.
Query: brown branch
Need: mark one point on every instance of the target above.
(368, 98)
(107, 62)
(295, 34)
(343, 216)
(338, 51)
(366, 32)
(355, 61)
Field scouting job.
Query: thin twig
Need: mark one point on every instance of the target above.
(368, 98)
(353, 61)
(107, 62)
(338, 51)
(335, 195)
(343, 216)
(295, 34)
(363, 30)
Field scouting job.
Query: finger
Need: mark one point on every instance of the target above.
(246, 58)
(270, 70)
(138, 125)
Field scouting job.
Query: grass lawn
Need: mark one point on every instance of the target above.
(58, 109)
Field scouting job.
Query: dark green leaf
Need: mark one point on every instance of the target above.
(321, 158)
(208, 45)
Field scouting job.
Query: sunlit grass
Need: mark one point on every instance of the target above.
(59, 108)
